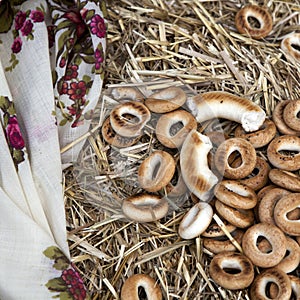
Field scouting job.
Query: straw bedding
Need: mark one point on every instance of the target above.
(154, 44)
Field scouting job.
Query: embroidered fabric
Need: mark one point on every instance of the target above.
(51, 74)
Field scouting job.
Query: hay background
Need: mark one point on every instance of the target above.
(154, 44)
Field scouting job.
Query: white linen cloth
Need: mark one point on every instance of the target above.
(51, 73)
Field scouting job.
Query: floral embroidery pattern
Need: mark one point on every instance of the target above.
(73, 30)
(24, 23)
(69, 285)
(12, 130)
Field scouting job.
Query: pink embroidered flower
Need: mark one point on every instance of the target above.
(77, 90)
(72, 110)
(20, 20)
(74, 283)
(27, 28)
(71, 72)
(17, 45)
(63, 89)
(98, 26)
(62, 62)
(98, 59)
(76, 18)
(37, 16)
(14, 134)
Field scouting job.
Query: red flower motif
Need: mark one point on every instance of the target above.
(27, 28)
(62, 62)
(20, 18)
(98, 26)
(71, 72)
(14, 135)
(63, 89)
(98, 59)
(76, 18)
(37, 16)
(74, 283)
(17, 45)
(77, 90)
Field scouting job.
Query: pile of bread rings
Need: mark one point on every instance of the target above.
(256, 196)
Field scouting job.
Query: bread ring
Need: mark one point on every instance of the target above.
(178, 188)
(287, 45)
(240, 218)
(217, 137)
(145, 207)
(196, 174)
(127, 93)
(260, 14)
(290, 114)
(267, 204)
(285, 179)
(277, 117)
(130, 288)
(196, 220)
(224, 105)
(214, 230)
(295, 282)
(260, 137)
(125, 127)
(166, 100)
(235, 194)
(282, 209)
(258, 290)
(276, 238)
(156, 171)
(218, 245)
(114, 139)
(290, 262)
(282, 161)
(247, 153)
(259, 176)
(166, 122)
(222, 265)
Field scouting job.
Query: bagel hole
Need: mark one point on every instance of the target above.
(272, 290)
(235, 159)
(175, 128)
(296, 47)
(294, 214)
(155, 170)
(232, 271)
(142, 293)
(254, 22)
(288, 153)
(263, 245)
(130, 118)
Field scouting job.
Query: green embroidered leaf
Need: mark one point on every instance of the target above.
(5, 119)
(30, 36)
(103, 9)
(11, 109)
(18, 156)
(4, 103)
(86, 79)
(63, 122)
(61, 263)
(6, 16)
(17, 2)
(64, 24)
(65, 296)
(53, 252)
(77, 60)
(64, 37)
(88, 59)
(90, 14)
(57, 285)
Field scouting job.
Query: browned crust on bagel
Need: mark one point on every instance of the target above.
(257, 12)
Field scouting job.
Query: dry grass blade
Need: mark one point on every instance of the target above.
(154, 44)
